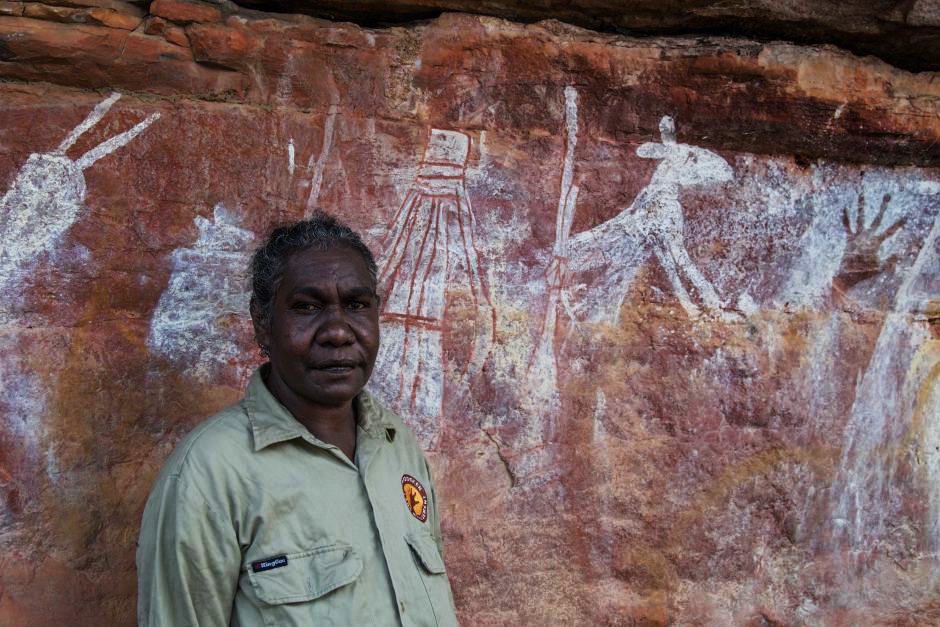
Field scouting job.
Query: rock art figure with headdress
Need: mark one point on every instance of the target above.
(430, 257)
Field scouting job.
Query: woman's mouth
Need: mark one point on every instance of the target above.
(336, 367)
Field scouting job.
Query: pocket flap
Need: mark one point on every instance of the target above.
(426, 549)
(307, 575)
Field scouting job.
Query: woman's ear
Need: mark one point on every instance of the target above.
(261, 325)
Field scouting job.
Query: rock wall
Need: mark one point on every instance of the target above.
(677, 355)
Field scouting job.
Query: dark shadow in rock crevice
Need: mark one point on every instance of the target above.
(860, 29)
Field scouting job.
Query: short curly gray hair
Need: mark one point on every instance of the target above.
(321, 231)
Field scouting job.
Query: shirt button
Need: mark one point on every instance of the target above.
(401, 604)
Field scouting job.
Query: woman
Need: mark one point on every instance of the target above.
(306, 503)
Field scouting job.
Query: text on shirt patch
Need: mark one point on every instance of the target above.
(268, 563)
(415, 497)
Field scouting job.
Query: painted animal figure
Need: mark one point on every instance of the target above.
(652, 224)
(46, 196)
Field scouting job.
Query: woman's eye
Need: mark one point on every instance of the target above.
(357, 305)
(306, 307)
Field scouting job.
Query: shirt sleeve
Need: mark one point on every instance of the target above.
(434, 514)
(188, 559)
(436, 531)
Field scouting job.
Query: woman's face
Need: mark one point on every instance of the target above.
(323, 332)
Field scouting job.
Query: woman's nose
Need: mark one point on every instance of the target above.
(335, 329)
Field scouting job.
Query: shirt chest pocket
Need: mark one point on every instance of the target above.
(430, 566)
(311, 588)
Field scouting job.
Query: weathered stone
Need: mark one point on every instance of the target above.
(185, 11)
(92, 56)
(104, 17)
(114, 19)
(155, 25)
(765, 98)
(172, 33)
(176, 35)
(119, 6)
(902, 32)
(924, 13)
(54, 13)
(11, 8)
(679, 362)
(231, 48)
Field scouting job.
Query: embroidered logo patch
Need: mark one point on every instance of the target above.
(268, 563)
(415, 497)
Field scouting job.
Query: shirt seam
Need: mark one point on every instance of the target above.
(186, 483)
(202, 430)
(220, 520)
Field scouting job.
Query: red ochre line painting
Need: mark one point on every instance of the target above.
(431, 248)
(414, 321)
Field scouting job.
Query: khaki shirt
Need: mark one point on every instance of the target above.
(254, 521)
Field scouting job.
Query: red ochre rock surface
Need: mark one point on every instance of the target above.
(680, 355)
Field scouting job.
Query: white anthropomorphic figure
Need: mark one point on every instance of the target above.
(41, 204)
(429, 254)
(197, 322)
(653, 223)
(46, 196)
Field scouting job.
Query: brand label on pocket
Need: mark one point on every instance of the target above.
(269, 563)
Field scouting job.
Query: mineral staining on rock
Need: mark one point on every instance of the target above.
(663, 309)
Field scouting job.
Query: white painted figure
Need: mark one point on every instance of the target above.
(542, 375)
(46, 197)
(429, 253)
(652, 224)
(203, 311)
(316, 168)
(43, 202)
(312, 174)
(892, 403)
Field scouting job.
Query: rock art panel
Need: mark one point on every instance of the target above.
(922, 384)
(316, 179)
(45, 198)
(861, 260)
(664, 310)
(542, 372)
(884, 431)
(41, 204)
(652, 226)
(310, 176)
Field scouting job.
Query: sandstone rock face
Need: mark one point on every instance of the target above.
(905, 33)
(677, 358)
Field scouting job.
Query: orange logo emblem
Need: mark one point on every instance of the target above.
(415, 497)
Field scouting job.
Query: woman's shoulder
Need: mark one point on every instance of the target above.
(221, 441)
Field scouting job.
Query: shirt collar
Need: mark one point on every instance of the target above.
(271, 422)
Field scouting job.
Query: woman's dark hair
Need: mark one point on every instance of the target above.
(321, 231)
